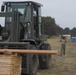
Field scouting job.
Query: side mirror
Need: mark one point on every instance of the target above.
(2, 8)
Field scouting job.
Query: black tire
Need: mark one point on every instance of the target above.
(33, 62)
(45, 60)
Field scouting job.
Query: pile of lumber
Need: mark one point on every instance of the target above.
(10, 65)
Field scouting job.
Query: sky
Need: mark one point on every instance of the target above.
(64, 11)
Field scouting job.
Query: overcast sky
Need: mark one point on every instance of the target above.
(64, 11)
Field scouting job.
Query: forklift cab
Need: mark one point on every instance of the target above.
(30, 17)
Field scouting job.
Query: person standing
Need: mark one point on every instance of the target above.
(63, 45)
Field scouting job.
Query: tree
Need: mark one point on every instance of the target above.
(66, 31)
(73, 32)
(49, 26)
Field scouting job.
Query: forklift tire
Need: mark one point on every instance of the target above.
(33, 62)
(45, 60)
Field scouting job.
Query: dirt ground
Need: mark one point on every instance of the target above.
(65, 65)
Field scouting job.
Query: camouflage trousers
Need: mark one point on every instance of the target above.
(63, 48)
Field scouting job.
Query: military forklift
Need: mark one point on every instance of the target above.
(22, 30)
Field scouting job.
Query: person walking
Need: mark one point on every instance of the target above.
(63, 45)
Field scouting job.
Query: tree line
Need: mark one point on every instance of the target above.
(49, 27)
(72, 32)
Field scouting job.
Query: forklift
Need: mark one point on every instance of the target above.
(22, 30)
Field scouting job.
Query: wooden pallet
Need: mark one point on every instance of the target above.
(10, 65)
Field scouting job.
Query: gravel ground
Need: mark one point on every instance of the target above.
(61, 65)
